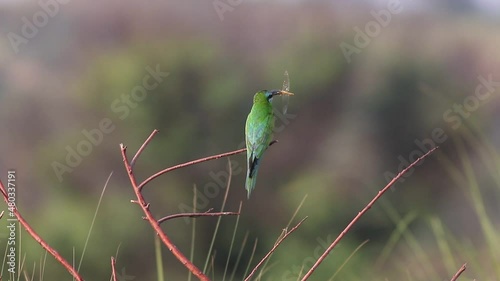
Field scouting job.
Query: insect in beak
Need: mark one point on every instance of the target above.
(282, 93)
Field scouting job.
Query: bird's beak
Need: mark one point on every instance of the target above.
(284, 93)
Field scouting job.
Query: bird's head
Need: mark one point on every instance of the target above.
(267, 95)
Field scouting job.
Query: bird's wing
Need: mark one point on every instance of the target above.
(259, 136)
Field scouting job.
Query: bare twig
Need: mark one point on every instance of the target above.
(273, 249)
(459, 272)
(132, 163)
(1, 214)
(193, 215)
(39, 239)
(156, 226)
(213, 157)
(113, 269)
(360, 214)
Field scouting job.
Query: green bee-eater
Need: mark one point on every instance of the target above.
(259, 132)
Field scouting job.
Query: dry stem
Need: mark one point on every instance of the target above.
(194, 215)
(145, 206)
(273, 249)
(156, 226)
(213, 157)
(39, 239)
(113, 269)
(360, 214)
(460, 271)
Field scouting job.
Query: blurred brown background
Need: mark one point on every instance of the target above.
(377, 84)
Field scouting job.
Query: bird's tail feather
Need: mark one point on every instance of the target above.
(250, 182)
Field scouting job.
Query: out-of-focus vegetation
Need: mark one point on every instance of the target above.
(351, 123)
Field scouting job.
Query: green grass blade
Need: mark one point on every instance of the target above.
(478, 204)
(193, 231)
(20, 264)
(43, 263)
(232, 242)
(262, 273)
(251, 258)
(263, 269)
(300, 273)
(347, 260)
(93, 221)
(296, 211)
(243, 244)
(443, 245)
(420, 253)
(396, 235)
(219, 218)
(4, 259)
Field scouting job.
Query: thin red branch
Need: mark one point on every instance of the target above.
(193, 215)
(132, 163)
(360, 214)
(39, 239)
(113, 269)
(459, 272)
(156, 226)
(273, 249)
(213, 157)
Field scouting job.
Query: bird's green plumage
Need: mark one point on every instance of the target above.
(259, 133)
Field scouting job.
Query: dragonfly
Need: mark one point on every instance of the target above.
(286, 87)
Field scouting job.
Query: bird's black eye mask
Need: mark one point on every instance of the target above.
(273, 93)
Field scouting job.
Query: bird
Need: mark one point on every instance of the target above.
(259, 132)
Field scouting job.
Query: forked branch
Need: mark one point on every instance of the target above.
(145, 206)
(156, 226)
(213, 157)
(360, 214)
(285, 235)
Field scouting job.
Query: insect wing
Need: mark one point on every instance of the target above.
(286, 87)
